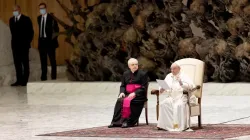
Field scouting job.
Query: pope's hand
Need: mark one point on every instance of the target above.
(179, 80)
(121, 95)
(131, 95)
(161, 90)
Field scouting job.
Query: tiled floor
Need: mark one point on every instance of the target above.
(22, 118)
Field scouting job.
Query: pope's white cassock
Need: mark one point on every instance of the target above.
(174, 110)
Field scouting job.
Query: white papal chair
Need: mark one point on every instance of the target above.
(193, 68)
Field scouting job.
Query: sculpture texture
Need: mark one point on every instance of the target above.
(157, 33)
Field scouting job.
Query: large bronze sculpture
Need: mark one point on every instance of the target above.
(158, 32)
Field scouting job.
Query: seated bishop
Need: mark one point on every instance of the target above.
(174, 110)
(131, 98)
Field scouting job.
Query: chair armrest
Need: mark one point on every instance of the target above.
(192, 90)
(198, 87)
(155, 92)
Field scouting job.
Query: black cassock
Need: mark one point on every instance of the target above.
(138, 77)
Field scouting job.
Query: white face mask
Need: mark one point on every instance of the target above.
(15, 13)
(42, 11)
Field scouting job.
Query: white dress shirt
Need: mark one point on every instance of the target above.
(17, 17)
(45, 18)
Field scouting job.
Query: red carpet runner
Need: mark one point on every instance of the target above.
(150, 131)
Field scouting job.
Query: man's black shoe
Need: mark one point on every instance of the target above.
(43, 79)
(24, 84)
(15, 84)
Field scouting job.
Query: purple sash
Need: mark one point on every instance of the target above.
(130, 88)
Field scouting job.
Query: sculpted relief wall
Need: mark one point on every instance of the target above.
(158, 33)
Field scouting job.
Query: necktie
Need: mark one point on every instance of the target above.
(42, 28)
(16, 19)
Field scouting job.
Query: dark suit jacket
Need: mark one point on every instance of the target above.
(22, 32)
(50, 29)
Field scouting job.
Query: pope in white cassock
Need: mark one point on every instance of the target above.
(174, 110)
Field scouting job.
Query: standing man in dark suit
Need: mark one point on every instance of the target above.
(22, 35)
(47, 42)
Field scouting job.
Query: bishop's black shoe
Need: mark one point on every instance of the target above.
(111, 125)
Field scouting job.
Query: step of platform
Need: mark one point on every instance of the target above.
(62, 86)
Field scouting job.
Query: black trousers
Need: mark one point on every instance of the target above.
(21, 62)
(46, 49)
(136, 109)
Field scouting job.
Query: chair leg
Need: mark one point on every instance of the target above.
(157, 107)
(199, 121)
(137, 123)
(146, 115)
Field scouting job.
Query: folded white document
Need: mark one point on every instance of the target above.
(163, 84)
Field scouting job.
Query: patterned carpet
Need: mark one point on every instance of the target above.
(150, 131)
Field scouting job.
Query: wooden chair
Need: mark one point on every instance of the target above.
(194, 68)
(145, 107)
